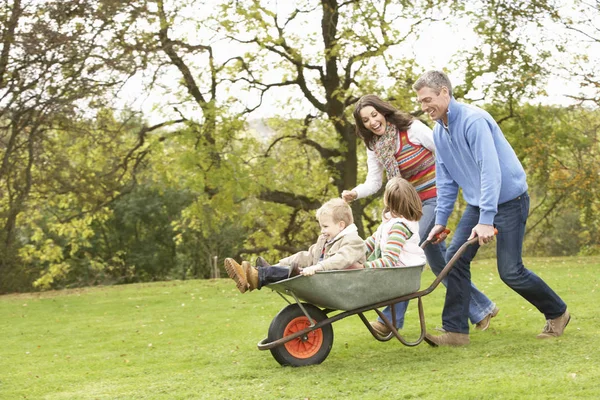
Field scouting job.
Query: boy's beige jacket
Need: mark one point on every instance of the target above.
(344, 250)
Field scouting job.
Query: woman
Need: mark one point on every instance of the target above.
(403, 146)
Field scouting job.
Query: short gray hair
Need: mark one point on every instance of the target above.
(434, 80)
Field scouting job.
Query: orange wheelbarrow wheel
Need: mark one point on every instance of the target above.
(308, 349)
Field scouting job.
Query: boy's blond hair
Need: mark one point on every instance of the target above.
(338, 210)
(402, 200)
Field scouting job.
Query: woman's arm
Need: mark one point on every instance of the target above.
(374, 177)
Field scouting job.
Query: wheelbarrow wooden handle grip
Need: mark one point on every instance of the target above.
(446, 231)
(450, 263)
(437, 236)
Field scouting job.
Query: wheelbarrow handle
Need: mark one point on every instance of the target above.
(447, 231)
(437, 236)
(450, 263)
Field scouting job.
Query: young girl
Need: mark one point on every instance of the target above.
(396, 241)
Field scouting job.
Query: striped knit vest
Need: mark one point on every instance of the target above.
(417, 165)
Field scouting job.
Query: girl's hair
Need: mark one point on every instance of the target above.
(392, 115)
(434, 80)
(338, 210)
(401, 199)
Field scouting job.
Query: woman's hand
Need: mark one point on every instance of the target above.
(349, 195)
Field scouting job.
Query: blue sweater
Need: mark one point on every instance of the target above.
(473, 154)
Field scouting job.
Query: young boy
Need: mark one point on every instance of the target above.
(338, 247)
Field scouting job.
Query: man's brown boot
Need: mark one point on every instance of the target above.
(237, 273)
(555, 327)
(448, 339)
(251, 275)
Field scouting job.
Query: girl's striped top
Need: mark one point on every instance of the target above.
(392, 248)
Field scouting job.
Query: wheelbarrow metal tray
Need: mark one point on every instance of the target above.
(350, 289)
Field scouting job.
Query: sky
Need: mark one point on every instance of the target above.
(433, 50)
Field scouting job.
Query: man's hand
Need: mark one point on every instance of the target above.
(308, 271)
(349, 195)
(485, 233)
(437, 234)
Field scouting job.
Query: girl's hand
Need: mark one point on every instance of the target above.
(349, 195)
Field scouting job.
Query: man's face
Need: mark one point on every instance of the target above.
(435, 105)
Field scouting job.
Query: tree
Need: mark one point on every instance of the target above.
(89, 187)
(356, 49)
(330, 65)
(560, 150)
(60, 62)
(581, 22)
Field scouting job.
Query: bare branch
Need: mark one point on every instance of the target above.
(348, 2)
(291, 199)
(167, 47)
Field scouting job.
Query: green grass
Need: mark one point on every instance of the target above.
(197, 340)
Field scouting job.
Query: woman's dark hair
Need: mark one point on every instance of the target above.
(392, 115)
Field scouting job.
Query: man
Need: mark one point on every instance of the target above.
(473, 154)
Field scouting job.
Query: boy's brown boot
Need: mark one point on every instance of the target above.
(448, 339)
(237, 273)
(251, 275)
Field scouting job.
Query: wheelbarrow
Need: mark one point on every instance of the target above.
(301, 333)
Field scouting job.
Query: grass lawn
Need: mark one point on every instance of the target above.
(197, 340)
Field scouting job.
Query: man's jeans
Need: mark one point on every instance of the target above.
(510, 222)
(479, 306)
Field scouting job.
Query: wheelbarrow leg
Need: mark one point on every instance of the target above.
(370, 328)
(394, 331)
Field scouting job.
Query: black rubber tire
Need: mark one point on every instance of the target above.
(281, 322)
